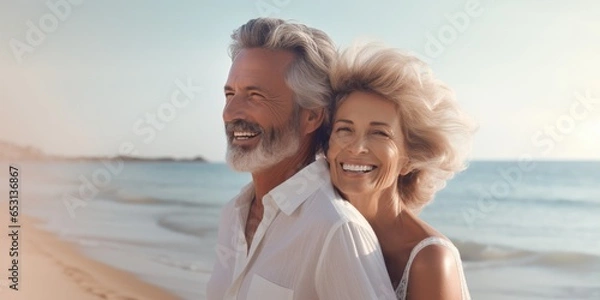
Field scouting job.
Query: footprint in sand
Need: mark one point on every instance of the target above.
(79, 276)
(87, 282)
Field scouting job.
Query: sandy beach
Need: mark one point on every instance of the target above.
(50, 268)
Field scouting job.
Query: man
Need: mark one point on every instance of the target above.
(287, 235)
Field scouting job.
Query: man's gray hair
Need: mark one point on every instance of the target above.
(308, 75)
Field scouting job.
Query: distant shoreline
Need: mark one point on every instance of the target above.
(15, 153)
(100, 159)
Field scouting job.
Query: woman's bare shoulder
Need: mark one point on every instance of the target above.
(434, 273)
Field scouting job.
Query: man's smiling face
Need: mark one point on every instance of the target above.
(260, 115)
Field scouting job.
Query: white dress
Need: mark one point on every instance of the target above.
(433, 240)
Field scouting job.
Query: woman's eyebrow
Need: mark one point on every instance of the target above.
(344, 121)
(380, 124)
(374, 123)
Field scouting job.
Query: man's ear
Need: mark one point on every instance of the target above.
(311, 119)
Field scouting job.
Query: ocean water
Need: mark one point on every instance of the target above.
(524, 231)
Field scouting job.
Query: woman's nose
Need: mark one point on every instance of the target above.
(358, 145)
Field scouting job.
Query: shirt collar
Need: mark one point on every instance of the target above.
(290, 194)
(245, 196)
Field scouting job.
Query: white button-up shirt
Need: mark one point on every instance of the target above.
(310, 244)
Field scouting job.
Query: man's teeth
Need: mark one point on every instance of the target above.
(242, 135)
(357, 168)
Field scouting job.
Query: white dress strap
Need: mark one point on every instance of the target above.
(432, 240)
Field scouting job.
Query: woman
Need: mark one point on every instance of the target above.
(395, 140)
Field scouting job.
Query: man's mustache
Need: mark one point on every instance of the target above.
(241, 125)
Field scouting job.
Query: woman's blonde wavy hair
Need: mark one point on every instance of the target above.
(437, 133)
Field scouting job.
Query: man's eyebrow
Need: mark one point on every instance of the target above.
(254, 88)
(248, 88)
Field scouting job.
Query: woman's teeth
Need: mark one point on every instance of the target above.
(357, 168)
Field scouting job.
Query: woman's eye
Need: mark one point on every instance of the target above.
(381, 133)
(343, 129)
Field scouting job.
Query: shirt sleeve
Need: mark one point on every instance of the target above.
(351, 265)
(220, 277)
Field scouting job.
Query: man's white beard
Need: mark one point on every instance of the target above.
(273, 147)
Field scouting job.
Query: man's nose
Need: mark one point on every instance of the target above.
(235, 108)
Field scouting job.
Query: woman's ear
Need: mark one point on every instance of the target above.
(406, 168)
(312, 119)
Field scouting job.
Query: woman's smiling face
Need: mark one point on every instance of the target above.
(366, 148)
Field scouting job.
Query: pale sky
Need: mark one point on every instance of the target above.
(80, 79)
